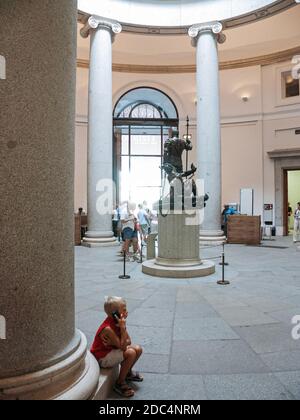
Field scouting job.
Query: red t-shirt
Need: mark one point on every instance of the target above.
(98, 349)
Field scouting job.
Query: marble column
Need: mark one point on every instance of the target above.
(205, 38)
(43, 355)
(100, 137)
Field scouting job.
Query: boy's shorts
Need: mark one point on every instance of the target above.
(113, 358)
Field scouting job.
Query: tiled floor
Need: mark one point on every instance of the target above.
(201, 340)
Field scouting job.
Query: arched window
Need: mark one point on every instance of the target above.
(141, 110)
(143, 119)
(145, 103)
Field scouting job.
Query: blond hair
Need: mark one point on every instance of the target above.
(113, 303)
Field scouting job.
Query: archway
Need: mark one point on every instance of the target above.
(144, 119)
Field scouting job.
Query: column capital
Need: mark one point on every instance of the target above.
(97, 22)
(214, 27)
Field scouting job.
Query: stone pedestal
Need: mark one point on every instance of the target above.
(151, 246)
(43, 355)
(178, 248)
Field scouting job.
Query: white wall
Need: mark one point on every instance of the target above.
(280, 118)
(242, 165)
(249, 129)
(236, 84)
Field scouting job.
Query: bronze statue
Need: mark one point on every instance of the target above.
(173, 167)
(172, 164)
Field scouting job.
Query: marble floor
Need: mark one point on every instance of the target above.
(201, 340)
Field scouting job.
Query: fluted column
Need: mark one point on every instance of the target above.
(43, 355)
(100, 137)
(205, 38)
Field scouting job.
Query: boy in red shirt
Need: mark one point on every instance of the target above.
(112, 346)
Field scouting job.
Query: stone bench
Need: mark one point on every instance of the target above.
(107, 380)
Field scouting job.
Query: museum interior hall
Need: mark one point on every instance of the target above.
(150, 178)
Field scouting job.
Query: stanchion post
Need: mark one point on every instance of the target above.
(124, 277)
(224, 262)
(223, 282)
(141, 261)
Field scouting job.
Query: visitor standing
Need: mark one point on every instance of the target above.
(144, 222)
(290, 214)
(117, 222)
(150, 215)
(297, 224)
(228, 211)
(129, 231)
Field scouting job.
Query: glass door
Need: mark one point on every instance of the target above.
(139, 160)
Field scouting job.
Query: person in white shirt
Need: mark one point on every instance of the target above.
(117, 222)
(151, 216)
(144, 222)
(297, 224)
(129, 231)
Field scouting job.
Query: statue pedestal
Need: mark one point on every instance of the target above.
(178, 248)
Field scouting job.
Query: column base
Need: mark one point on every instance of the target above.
(75, 378)
(178, 271)
(98, 243)
(99, 239)
(212, 237)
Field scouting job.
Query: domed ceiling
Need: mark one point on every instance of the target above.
(279, 33)
(175, 16)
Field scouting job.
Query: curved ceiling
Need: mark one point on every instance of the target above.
(278, 33)
(175, 16)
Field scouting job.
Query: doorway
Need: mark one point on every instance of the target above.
(291, 197)
(144, 118)
(138, 160)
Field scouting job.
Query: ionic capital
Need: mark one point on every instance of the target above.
(215, 28)
(97, 22)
